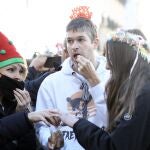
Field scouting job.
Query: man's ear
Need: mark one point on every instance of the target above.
(96, 43)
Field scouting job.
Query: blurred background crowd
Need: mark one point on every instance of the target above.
(38, 26)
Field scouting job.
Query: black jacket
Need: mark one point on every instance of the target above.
(24, 142)
(33, 82)
(132, 132)
(13, 127)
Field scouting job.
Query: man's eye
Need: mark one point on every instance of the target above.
(80, 40)
(69, 41)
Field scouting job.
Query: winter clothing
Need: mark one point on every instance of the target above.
(33, 82)
(9, 56)
(12, 127)
(8, 53)
(26, 141)
(7, 85)
(63, 90)
(132, 131)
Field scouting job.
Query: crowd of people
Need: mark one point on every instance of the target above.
(88, 101)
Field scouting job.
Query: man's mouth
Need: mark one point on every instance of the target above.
(75, 56)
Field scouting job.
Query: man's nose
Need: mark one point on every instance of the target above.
(75, 46)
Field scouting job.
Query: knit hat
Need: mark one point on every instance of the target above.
(8, 53)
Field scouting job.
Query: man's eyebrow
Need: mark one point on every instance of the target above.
(81, 36)
(68, 38)
(76, 37)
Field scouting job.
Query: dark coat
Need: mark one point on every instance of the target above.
(33, 82)
(23, 142)
(132, 132)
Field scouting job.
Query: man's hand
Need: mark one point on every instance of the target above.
(87, 69)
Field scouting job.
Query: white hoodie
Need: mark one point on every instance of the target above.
(59, 90)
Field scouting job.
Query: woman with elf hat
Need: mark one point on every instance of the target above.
(13, 97)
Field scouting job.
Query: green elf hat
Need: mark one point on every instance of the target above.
(8, 53)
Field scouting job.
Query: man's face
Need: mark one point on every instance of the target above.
(79, 43)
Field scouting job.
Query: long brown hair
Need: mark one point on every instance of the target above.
(123, 88)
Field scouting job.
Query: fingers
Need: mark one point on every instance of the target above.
(55, 117)
(84, 64)
(22, 97)
(38, 62)
(54, 120)
(50, 118)
(82, 60)
(22, 94)
(45, 121)
(87, 69)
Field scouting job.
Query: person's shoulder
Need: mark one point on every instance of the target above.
(50, 79)
(53, 75)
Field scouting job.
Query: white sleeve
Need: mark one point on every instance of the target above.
(97, 93)
(44, 101)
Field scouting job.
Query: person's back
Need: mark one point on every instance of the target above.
(79, 87)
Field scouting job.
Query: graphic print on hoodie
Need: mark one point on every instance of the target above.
(79, 107)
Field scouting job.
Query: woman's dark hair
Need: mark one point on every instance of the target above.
(123, 88)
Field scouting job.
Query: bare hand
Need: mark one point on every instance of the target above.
(46, 116)
(23, 99)
(38, 63)
(68, 119)
(86, 68)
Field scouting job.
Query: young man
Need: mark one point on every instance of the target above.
(79, 87)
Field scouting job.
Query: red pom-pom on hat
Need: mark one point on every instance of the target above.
(8, 53)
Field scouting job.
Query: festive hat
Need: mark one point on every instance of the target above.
(81, 12)
(8, 53)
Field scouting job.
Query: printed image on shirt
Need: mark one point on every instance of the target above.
(79, 107)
